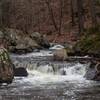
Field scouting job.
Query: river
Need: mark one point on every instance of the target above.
(50, 80)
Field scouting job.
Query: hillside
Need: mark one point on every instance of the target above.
(47, 17)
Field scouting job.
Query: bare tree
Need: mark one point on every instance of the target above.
(61, 16)
(80, 16)
(51, 14)
(38, 16)
(4, 7)
(0, 13)
(72, 12)
(93, 13)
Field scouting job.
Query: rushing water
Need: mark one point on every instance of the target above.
(49, 80)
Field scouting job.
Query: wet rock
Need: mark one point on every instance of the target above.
(93, 72)
(97, 68)
(20, 72)
(60, 54)
(90, 72)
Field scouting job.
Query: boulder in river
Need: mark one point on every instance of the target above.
(20, 72)
(60, 54)
(93, 72)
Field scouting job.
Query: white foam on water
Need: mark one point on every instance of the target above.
(45, 79)
(41, 76)
(56, 47)
(42, 53)
(44, 74)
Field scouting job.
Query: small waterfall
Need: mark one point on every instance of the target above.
(36, 66)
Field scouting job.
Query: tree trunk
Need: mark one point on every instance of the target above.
(80, 16)
(1, 14)
(72, 13)
(61, 15)
(93, 13)
(51, 14)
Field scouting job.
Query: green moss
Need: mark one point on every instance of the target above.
(98, 2)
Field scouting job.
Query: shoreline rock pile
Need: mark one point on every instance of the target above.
(20, 42)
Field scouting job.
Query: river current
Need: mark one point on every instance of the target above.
(50, 80)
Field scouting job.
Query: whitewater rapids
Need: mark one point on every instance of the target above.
(42, 72)
(49, 80)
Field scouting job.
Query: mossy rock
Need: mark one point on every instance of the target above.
(6, 67)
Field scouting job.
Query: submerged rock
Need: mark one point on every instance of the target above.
(62, 72)
(20, 72)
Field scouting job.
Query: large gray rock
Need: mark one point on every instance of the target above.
(40, 39)
(93, 72)
(20, 42)
(90, 72)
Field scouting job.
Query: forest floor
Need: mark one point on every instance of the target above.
(62, 38)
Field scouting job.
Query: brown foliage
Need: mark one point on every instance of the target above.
(45, 16)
